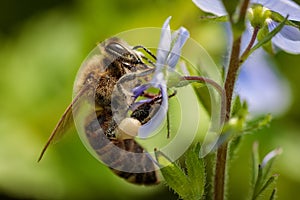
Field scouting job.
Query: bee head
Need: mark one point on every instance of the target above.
(121, 51)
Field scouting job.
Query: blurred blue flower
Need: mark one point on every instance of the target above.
(288, 39)
(263, 88)
(168, 54)
(258, 83)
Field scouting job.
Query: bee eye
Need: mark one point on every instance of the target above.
(116, 49)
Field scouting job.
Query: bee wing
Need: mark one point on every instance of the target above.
(65, 122)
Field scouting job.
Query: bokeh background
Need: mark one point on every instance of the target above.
(42, 44)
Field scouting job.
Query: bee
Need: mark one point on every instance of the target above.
(112, 138)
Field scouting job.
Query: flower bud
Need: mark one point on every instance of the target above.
(258, 15)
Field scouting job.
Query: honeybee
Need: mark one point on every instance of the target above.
(112, 138)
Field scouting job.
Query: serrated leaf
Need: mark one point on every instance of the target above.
(209, 166)
(269, 36)
(236, 106)
(174, 176)
(257, 124)
(240, 109)
(195, 171)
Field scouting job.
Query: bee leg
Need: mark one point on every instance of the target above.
(148, 52)
(145, 49)
(149, 61)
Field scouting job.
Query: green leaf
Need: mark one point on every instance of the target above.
(268, 161)
(239, 109)
(255, 169)
(231, 6)
(269, 36)
(257, 124)
(255, 163)
(279, 18)
(258, 183)
(187, 186)
(260, 178)
(233, 146)
(195, 171)
(173, 174)
(235, 126)
(231, 130)
(268, 184)
(236, 105)
(272, 197)
(209, 166)
(214, 18)
(262, 33)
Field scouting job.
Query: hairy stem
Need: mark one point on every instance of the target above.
(234, 64)
(219, 183)
(231, 75)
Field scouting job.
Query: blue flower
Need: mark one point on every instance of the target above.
(288, 39)
(258, 83)
(168, 54)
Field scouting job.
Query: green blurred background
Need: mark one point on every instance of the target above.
(42, 45)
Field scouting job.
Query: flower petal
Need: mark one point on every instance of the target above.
(137, 91)
(264, 90)
(284, 7)
(288, 39)
(290, 32)
(164, 45)
(212, 6)
(168, 54)
(180, 37)
(158, 118)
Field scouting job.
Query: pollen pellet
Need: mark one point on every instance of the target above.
(128, 128)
